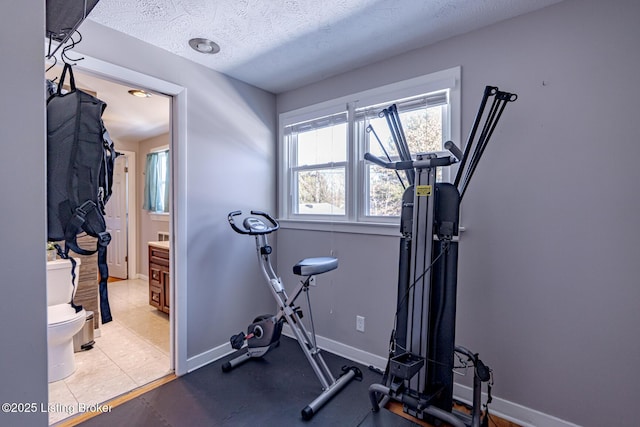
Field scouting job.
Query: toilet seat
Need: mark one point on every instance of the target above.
(61, 314)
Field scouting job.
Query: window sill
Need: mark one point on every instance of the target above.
(381, 229)
(159, 216)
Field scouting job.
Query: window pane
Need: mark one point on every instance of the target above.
(156, 186)
(321, 192)
(381, 129)
(385, 192)
(163, 185)
(322, 145)
(423, 131)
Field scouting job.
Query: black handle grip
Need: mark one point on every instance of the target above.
(232, 223)
(453, 148)
(377, 160)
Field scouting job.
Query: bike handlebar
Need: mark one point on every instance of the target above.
(251, 231)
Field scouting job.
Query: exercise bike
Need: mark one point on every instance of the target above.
(264, 333)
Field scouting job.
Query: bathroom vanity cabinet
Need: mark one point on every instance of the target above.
(159, 283)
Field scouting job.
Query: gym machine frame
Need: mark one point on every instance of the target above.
(264, 333)
(420, 368)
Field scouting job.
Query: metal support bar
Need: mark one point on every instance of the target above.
(495, 112)
(370, 129)
(488, 91)
(326, 395)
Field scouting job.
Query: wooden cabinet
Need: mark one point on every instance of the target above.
(159, 284)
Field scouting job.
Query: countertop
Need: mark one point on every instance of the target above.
(162, 245)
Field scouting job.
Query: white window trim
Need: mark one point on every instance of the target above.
(159, 216)
(445, 79)
(159, 149)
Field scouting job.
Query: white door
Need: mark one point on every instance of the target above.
(116, 219)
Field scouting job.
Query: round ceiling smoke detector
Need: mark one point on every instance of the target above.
(204, 46)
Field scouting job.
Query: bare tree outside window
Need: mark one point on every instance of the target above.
(423, 131)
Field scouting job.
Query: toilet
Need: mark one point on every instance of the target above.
(62, 320)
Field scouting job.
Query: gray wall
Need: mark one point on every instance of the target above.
(548, 286)
(230, 165)
(230, 127)
(23, 319)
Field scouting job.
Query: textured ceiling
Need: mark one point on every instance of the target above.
(127, 118)
(279, 45)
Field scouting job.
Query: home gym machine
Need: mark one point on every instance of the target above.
(422, 350)
(264, 333)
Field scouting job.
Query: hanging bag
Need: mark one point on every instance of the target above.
(80, 158)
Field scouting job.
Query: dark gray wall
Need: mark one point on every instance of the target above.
(23, 313)
(548, 286)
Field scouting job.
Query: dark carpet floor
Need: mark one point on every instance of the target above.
(263, 392)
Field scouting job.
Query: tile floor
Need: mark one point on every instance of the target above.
(131, 351)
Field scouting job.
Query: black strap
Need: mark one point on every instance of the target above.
(79, 223)
(103, 269)
(72, 80)
(76, 225)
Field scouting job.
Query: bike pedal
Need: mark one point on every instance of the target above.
(237, 341)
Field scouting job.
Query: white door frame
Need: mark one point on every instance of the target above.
(178, 226)
(132, 222)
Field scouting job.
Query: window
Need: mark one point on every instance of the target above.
(156, 182)
(424, 121)
(318, 165)
(323, 174)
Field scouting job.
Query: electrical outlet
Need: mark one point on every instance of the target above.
(360, 323)
(312, 281)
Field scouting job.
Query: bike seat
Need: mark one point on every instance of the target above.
(311, 266)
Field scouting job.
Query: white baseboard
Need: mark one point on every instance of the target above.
(142, 277)
(510, 411)
(346, 351)
(208, 356)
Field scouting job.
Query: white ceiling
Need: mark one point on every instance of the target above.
(279, 45)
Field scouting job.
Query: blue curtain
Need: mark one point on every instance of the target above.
(156, 183)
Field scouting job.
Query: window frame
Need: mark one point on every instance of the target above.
(354, 219)
(292, 170)
(165, 151)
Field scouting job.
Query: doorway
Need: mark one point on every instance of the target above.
(127, 261)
